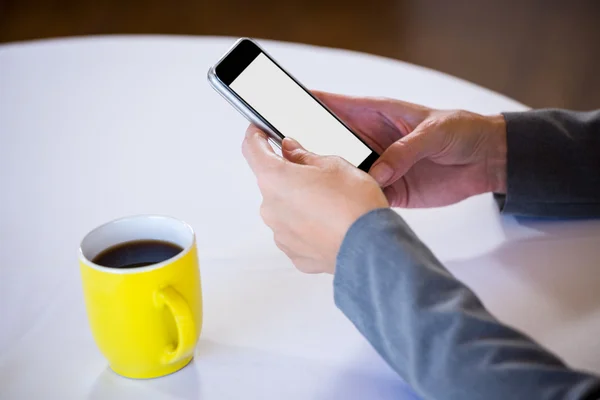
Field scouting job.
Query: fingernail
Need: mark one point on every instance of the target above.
(382, 172)
(290, 144)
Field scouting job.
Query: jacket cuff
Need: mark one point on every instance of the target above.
(550, 167)
(359, 238)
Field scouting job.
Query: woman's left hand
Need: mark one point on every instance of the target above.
(309, 201)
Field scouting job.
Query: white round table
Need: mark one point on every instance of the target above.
(96, 128)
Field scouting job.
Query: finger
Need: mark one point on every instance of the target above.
(281, 241)
(294, 152)
(400, 157)
(396, 196)
(401, 112)
(285, 249)
(258, 152)
(307, 265)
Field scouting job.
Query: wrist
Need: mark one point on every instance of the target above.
(496, 158)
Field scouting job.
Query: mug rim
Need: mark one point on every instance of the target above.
(138, 270)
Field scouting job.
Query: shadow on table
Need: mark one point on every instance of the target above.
(560, 228)
(184, 384)
(563, 265)
(352, 384)
(265, 375)
(555, 274)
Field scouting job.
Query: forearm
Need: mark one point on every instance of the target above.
(553, 163)
(432, 329)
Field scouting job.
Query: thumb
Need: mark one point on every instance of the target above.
(294, 152)
(401, 155)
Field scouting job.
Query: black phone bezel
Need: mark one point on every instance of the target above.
(238, 60)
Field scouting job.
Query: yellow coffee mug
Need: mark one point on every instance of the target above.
(146, 320)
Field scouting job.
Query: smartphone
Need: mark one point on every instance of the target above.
(271, 98)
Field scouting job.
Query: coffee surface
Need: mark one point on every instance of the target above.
(137, 253)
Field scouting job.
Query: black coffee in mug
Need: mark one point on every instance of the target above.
(137, 253)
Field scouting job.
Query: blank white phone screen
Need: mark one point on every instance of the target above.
(294, 113)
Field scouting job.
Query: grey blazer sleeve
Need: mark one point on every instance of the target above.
(553, 163)
(433, 330)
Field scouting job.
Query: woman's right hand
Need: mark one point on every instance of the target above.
(429, 157)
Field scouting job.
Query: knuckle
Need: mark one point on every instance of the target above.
(399, 153)
(301, 157)
(460, 114)
(280, 244)
(396, 149)
(266, 215)
(252, 130)
(398, 145)
(430, 123)
(300, 266)
(334, 163)
(304, 266)
(449, 116)
(245, 149)
(262, 182)
(265, 183)
(381, 99)
(283, 247)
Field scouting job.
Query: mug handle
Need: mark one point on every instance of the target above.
(184, 320)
